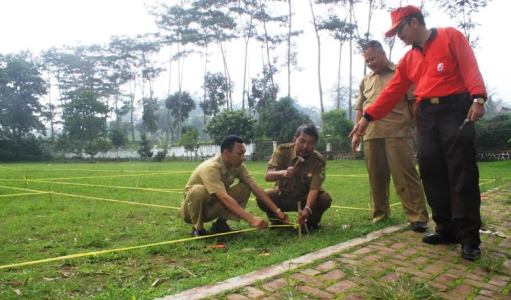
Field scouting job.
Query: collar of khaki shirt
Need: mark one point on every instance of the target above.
(390, 68)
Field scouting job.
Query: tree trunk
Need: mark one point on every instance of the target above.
(289, 48)
(351, 65)
(318, 40)
(339, 76)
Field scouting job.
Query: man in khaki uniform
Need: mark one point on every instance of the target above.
(209, 193)
(299, 172)
(388, 145)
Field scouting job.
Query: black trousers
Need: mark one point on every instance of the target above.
(290, 203)
(448, 168)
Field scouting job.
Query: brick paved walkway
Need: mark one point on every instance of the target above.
(394, 266)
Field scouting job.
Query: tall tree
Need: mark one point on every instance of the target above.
(339, 30)
(21, 86)
(179, 105)
(231, 122)
(462, 11)
(84, 118)
(217, 90)
(318, 43)
(281, 120)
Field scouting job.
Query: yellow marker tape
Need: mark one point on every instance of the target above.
(110, 186)
(92, 177)
(93, 198)
(95, 253)
(114, 200)
(24, 194)
(487, 181)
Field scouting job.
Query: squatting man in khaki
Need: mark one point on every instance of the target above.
(299, 172)
(388, 145)
(209, 193)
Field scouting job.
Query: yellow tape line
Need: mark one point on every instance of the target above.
(24, 194)
(358, 208)
(91, 177)
(94, 253)
(109, 186)
(93, 198)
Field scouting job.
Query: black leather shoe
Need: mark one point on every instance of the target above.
(419, 227)
(220, 226)
(438, 238)
(199, 232)
(469, 252)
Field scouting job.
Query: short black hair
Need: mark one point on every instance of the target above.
(229, 141)
(308, 129)
(373, 44)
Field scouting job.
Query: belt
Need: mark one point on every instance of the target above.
(437, 100)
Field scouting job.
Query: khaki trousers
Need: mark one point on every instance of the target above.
(199, 206)
(394, 156)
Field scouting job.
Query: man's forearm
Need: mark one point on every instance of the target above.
(274, 175)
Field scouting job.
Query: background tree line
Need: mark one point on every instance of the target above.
(91, 98)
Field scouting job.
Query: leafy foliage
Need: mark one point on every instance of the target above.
(145, 147)
(281, 119)
(216, 93)
(336, 128)
(231, 122)
(494, 133)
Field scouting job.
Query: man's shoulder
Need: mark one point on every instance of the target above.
(282, 148)
(210, 163)
(318, 156)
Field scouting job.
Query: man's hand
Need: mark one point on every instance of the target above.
(360, 127)
(302, 216)
(475, 112)
(355, 142)
(258, 223)
(282, 217)
(289, 172)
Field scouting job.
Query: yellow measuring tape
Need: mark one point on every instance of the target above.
(109, 186)
(24, 194)
(93, 198)
(95, 253)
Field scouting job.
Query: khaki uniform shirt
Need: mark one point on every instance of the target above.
(398, 123)
(309, 174)
(215, 177)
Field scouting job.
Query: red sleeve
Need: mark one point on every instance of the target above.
(393, 93)
(467, 63)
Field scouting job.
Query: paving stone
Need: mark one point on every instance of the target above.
(408, 252)
(364, 250)
(314, 292)
(327, 266)
(341, 286)
(371, 258)
(398, 246)
(348, 261)
(333, 275)
(483, 298)
(420, 260)
(349, 255)
(433, 269)
(439, 286)
(487, 293)
(254, 293)
(275, 285)
(382, 248)
(237, 297)
(446, 278)
(414, 272)
(499, 281)
(309, 280)
(402, 263)
(354, 297)
(461, 292)
(310, 272)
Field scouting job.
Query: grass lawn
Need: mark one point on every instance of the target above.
(104, 206)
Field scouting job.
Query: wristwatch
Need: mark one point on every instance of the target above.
(479, 100)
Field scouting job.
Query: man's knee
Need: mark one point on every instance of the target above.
(196, 193)
(325, 201)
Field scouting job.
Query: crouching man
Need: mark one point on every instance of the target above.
(210, 193)
(299, 172)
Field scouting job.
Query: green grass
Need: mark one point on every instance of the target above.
(41, 226)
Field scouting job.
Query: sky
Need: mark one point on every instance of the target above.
(37, 25)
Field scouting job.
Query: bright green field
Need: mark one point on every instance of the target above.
(36, 225)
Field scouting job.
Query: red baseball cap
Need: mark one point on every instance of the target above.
(398, 14)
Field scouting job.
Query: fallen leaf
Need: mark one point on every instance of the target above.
(18, 292)
(51, 279)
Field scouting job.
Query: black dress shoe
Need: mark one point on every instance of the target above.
(438, 238)
(419, 227)
(220, 226)
(469, 252)
(199, 232)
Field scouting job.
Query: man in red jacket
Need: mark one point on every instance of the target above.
(450, 97)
